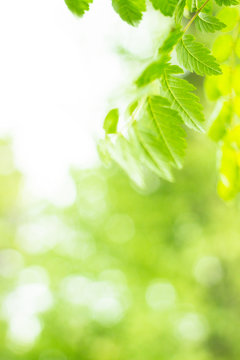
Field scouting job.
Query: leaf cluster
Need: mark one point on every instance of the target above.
(225, 91)
(153, 137)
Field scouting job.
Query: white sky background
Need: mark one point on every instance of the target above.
(57, 74)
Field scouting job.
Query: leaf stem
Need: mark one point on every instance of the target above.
(195, 15)
(143, 100)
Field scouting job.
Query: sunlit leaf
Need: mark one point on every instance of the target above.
(78, 7)
(236, 102)
(220, 125)
(173, 37)
(124, 154)
(166, 7)
(208, 23)
(179, 10)
(130, 10)
(228, 185)
(195, 57)
(155, 70)
(229, 16)
(222, 47)
(180, 94)
(237, 48)
(236, 77)
(111, 121)
(227, 2)
(211, 88)
(162, 133)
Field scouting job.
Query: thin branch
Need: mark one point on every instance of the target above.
(195, 15)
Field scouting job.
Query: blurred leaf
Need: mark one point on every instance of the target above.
(222, 47)
(237, 104)
(155, 70)
(236, 77)
(216, 87)
(179, 11)
(234, 136)
(124, 154)
(237, 48)
(166, 7)
(208, 8)
(156, 140)
(227, 2)
(111, 121)
(132, 107)
(173, 37)
(78, 7)
(211, 88)
(220, 125)
(224, 81)
(192, 5)
(229, 16)
(229, 184)
(130, 10)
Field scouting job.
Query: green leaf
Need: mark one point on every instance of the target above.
(155, 70)
(173, 37)
(192, 5)
(195, 57)
(78, 7)
(229, 184)
(148, 154)
(207, 7)
(229, 16)
(132, 107)
(162, 133)
(179, 11)
(222, 47)
(219, 126)
(236, 82)
(156, 142)
(166, 7)
(222, 85)
(227, 2)
(111, 121)
(180, 94)
(103, 152)
(211, 88)
(233, 138)
(123, 152)
(237, 48)
(237, 105)
(130, 10)
(208, 23)
(225, 81)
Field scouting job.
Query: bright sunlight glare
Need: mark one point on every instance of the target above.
(57, 78)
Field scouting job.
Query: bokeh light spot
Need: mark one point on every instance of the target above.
(192, 327)
(208, 270)
(11, 262)
(41, 235)
(160, 295)
(24, 330)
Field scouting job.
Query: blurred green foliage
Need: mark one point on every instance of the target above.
(121, 274)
